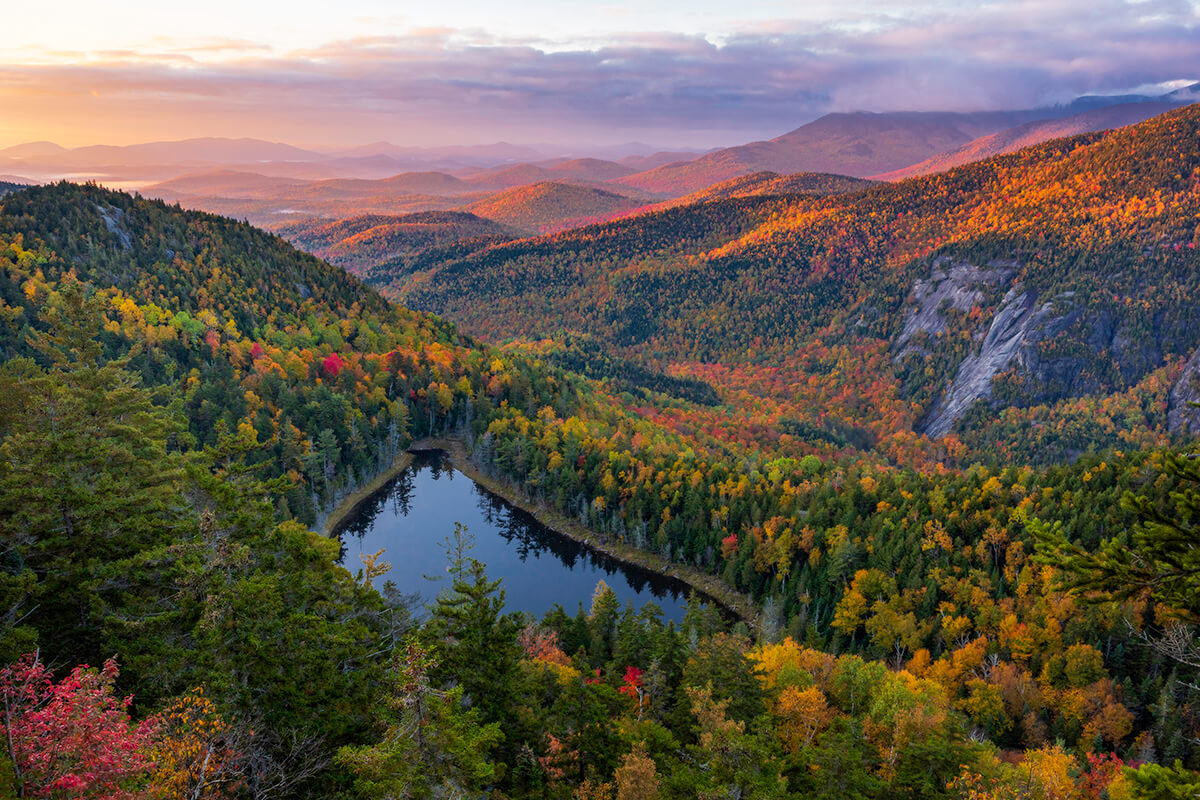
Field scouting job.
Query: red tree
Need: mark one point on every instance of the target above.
(332, 364)
(73, 738)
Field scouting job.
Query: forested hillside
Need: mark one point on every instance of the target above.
(767, 183)
(183, 396)
(551, 206)
(373, 241)
(1036, 305)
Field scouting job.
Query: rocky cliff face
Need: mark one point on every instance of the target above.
(1012, 329)
(1182, 416)
(957, 285)
(1058, 346)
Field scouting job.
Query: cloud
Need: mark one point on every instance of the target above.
(766, 78)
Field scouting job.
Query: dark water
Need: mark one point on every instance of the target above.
(411, 517)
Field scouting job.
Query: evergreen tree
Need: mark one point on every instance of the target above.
(431, 745)
(1159, 558)
(476, 643)
(86, 476)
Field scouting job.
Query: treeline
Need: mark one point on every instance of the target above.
(587, 357)
(374, 241)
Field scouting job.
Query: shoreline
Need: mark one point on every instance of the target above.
(708, 586)
(350, 503)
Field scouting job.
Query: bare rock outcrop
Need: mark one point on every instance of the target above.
(114, 220)
(1012, 329)
(1182, 416)
(955, 285)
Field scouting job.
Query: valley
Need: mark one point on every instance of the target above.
(906, 392)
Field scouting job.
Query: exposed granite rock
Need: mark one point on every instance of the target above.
(1015, 327)
(960, 285)
(1182, 417)
(114, 220)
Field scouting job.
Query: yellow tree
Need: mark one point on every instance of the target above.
(801, 715)
(191, 752)
(1048, 774)
(637, 777)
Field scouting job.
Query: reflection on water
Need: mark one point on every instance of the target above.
(412, 515)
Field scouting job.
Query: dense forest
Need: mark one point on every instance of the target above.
(367, 241)
(183, 399)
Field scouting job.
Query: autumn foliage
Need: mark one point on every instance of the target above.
(73, 737)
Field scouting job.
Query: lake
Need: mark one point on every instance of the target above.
(411, 516)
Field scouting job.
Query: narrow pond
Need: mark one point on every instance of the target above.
(413, 514)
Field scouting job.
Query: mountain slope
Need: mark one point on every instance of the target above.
(590, 169)
(770, 183)
(358, 244)
(550, 206)
(1031, 133)
(223, 183)
(856, 144)
(1063, 266)
(574, 170)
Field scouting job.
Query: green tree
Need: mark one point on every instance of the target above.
(475, 643)
(1155, 782)
(86, 475)
(729, 760)
(720, 662)
(582, 718)
(1159, 558)
(431, 745)
(844, 768)
(602, 622)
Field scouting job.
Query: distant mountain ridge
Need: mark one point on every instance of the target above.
(865, 144)
(856, 144)
(551, 206)
(772, 183)
(1031, 133)
(186, 151)
(584, 170)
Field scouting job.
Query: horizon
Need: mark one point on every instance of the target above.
(467, 73)
(579, 149)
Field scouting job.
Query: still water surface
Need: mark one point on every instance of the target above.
(411, 516)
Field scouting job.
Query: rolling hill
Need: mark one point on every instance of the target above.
(550, 206)
(358, 244)
(772, 183)
(591, 171)
(226, 183)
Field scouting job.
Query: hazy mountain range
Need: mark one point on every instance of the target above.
(516, 186)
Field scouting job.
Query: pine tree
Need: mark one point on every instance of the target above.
(1159, 558)
(474, 641)
(86, 476)
(431, 746)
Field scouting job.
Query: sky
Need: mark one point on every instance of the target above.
(695, 74)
